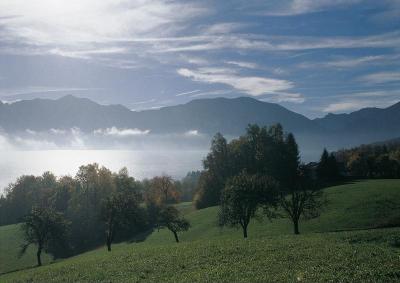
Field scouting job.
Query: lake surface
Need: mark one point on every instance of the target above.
(141, 164)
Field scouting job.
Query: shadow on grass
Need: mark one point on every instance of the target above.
(141, 237)
(341, 182)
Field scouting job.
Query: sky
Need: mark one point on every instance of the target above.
(313, 57)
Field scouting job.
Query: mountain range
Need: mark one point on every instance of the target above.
(206, 116)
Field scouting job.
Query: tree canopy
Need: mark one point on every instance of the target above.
(44, 228)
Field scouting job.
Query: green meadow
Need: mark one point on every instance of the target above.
(354, 239)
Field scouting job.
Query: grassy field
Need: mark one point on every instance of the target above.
(10, 241)
(272, 253)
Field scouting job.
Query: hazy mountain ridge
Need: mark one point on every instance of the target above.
(207, 116)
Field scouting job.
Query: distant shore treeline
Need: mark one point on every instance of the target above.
(380, 160)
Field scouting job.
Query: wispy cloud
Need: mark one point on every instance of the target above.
(103, 29)
(224, 28)
(242, 64)
(211, 93)
(187, 92)
(113, 131)
(87, 53)
(353, 62)
(40, 89)
(275, 43)
(298, 7)
(83, 29)
(75, 22)
(192, 133)
(251, 85)
(355, 104)
(381, 77)
(357, 100)
(144, 101)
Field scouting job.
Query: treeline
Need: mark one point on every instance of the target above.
(98, 206)
(371, 161)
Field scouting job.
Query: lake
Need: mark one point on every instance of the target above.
(141, 164)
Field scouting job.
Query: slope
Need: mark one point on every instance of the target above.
(271, 253)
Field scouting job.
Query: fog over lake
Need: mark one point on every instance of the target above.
(141, 164)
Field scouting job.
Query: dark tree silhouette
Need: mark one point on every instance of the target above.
(170, 218)
(303, 198)
(217, 170)
(43, 228)
(328, 169)
(299, 193)
(242, 197)
(119, 211)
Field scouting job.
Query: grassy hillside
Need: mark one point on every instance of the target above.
(10, 241)
(336, 257)
(208, 253)
(357, 205)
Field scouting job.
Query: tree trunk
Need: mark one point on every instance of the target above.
(244, 231)
(176, 236)
(38, 253)
(296, 226)
(108, 245)
(109, 241)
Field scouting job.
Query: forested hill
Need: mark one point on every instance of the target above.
(206, 116)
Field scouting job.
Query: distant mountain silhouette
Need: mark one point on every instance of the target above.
(364, 126)
(208, 116)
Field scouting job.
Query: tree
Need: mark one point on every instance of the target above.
(170, 218)
(242, 197)
(302, 198)
(189, 184)
(328, 169)
(208, 191)
(43, 228)
(217, 169)
(119, 211)
(163, 190)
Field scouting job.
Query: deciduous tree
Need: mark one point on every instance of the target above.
(170, 218)
(43, 227)
(243, 195)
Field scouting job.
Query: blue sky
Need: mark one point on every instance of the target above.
(313, 57)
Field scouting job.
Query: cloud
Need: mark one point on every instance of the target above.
(355, 104)
(351, 62)
(5, 143)
(357, 100)
(381, 77)
(89, 28)
(224, 28)
(298, 7)
(251, 85)
(109, 32)
(211, 93)
(192, 133)
(73, 22)
(187, 92)
(247, 65)
(113, 131)
(355, 62)
(195, 60)
(40, 89)
(58, 131)
(243, 42)
(87, 53)
(144, 102)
